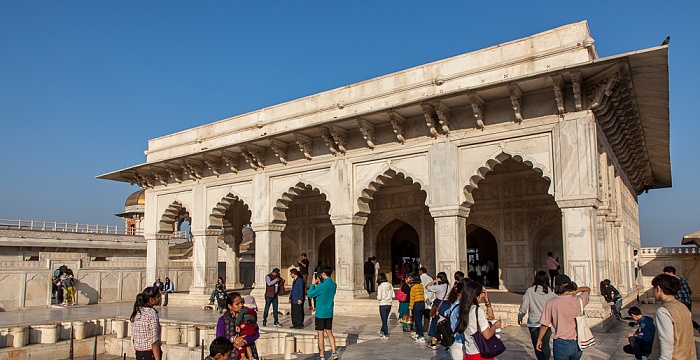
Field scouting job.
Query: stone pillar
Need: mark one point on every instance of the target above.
(450, 238)
(204, 260)
(349, 251)
(233, 237)
(157, 255)
(268, 253)
(579, 237)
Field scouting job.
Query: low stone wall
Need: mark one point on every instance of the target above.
(686, 260)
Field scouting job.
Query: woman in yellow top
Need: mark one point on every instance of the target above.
(417, 306)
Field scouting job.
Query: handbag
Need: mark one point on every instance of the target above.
(488, 348)
(435, 308)
(401, 296)
(584, 336)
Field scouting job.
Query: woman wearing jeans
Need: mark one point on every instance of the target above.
(533, 303)
(612, 296)
(385, 294)
(560, 313)
(416, 306)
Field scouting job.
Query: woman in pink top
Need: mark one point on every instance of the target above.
(560, 313)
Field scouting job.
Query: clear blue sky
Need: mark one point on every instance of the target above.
(85, 84)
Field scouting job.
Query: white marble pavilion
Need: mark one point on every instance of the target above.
(501, 154)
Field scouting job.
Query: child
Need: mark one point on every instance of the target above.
(220, 349)
(68, 288)
(246, 326)
(220, 297)
(249, 302)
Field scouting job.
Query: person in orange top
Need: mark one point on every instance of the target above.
(417, 305)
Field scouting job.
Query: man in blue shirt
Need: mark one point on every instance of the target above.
(323, 290)
(296, 298)
(641, 340)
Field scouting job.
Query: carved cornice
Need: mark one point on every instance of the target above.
(280, 149)
(267, 227)
(559, 85)
(305, 145)
(443, 114)
(176, 174)
(612, 101)
(161, 176)
(398, 123)
(340, 137)
(516, 95)
(367, 130)
(328, 139)
(478, 108)
(431, 119)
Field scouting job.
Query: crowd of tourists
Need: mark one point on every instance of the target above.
(457, 310)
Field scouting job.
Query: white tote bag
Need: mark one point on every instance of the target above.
(583, 332)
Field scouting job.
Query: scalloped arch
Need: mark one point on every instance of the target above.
(385, 174)
(216, 218)
(495, 232)
(279, 212)
(165, 225)
(496, 159)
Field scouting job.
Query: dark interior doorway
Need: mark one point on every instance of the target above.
(482, 250)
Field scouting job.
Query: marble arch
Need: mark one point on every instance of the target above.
(496, 159)
(387, 173)
(169, 216)
(216, 219)
(279, 212)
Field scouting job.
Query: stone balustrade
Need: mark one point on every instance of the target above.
(686, 260)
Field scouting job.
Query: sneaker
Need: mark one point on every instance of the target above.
(383, 337)
(432, 346)
(277, 325)
(420, 340)
(334, 355)
(264, 323)
(414, 336)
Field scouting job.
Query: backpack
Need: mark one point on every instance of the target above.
(444, 333)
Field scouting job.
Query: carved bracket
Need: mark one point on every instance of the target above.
(576, 85)
(443, 114)
(194, 169)
(558, 84)
(161, 176)
(430, 118)
(147, 181)
(328, 139)
(254, 156)
(516, 96)
(304, 143)
(232, 161)
(478, 109)
(367, 130)
(213, 165)
(605, 90)
(340, 136)
(176, 174)
(280, 149)
(398, 123)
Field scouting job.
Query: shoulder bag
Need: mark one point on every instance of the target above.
(435, 308)
(584, 335)
(488, 348)
(401, 296)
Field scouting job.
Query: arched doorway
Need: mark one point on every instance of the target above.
(326, 254)
(482, 250)
(290, 253)
(547, 238)
(398, 250)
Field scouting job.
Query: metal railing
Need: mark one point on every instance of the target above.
(35, 225)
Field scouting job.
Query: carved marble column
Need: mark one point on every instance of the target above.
(579, 231)
(204, 260)
(157, 255)
(450, 238)
(233, 242)
(349, 247)
(268, 253)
